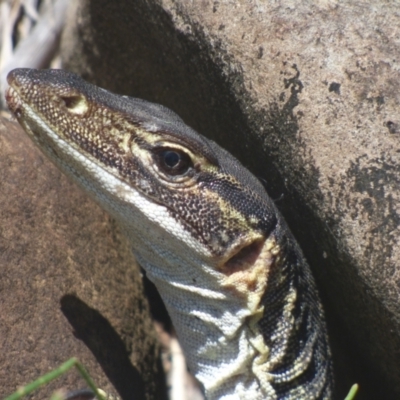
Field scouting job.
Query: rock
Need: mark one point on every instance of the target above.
(69, 285)
(307, 96)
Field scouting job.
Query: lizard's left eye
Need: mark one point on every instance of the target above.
(173, 162)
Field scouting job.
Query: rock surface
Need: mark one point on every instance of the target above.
(69, 285)
(306, 94)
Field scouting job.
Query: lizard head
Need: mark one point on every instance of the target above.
(145, 158)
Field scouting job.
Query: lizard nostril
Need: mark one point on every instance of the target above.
(75, 104)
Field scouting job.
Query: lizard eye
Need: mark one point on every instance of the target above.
(173, 162)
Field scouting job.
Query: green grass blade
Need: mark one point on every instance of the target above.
(352, 393)
(43, 380)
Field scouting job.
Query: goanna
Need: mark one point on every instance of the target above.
(236, 285)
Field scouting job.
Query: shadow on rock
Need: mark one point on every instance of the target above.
(105, 344)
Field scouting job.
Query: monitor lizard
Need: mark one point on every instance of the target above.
(235, 283)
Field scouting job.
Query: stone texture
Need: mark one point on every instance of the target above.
(68, 284)
(306, 94)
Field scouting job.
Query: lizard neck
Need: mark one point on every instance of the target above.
(216, 318)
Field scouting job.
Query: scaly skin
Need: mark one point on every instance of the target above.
(236, 285)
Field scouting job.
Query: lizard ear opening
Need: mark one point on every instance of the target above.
(76, 104)
(244, 258)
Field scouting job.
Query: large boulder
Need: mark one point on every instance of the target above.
(69, 285)
(306, 95)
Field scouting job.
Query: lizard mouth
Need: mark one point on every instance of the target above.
(245, 258)
(13, 101)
